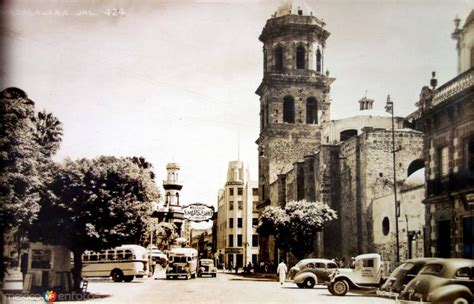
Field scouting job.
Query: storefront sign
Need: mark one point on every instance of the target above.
(198, 212)
(233, 250)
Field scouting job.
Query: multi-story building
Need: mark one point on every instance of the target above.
(446, 116)
(202, 240)
(294, 94)
(237, 218)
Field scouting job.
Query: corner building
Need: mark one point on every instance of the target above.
(237, 218)
(294, 93)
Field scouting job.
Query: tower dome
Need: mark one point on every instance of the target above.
(294, 7)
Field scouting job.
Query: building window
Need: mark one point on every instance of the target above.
(345, 135)
(255, 191)
(231, 240)
(240, 191)
(319, 63)
(231, 223)
(443, 161)
(289, 109)
(469, 156)
(239, 240)
(300, 57)
(255, 240)
(239, 222)
(254, 222)
(240, 205)
(231, 205)
(278, 54)
(255, 205)
(231, 191)
(311, 111)
(385, 225)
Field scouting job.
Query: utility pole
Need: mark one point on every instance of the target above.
(397, 207)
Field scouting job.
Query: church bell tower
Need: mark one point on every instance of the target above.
(294, 93)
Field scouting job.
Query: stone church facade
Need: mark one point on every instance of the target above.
(346, 163)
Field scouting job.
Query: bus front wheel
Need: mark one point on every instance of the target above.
(117, 275)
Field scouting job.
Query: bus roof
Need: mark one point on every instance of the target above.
(184, 251)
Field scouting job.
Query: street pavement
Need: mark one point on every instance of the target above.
(226, 288)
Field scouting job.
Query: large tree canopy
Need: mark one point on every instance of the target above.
(95, 204)
(295, 226)
(24, 160)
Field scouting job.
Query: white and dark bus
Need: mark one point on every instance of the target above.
(122, 263)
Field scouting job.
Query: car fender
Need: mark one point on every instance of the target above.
(449, 293)
(343, 277)
(300, 277)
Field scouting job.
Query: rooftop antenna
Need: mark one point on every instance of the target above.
(238, 144)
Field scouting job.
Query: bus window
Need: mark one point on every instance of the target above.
(102, 256)
(120, 255)
(92, 256)
(85, 257)
(128, 255)
(110, 255)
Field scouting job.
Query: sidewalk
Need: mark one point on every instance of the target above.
(255, 276)
(13, 280)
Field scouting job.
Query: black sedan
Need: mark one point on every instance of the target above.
(442, 281)
(401, 276)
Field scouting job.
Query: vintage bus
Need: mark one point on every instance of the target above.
(182, 262)
(122, 263)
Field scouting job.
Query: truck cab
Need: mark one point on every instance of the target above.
(368, 274)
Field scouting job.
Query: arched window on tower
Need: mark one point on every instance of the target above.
(300, 57)
(319, 63)
(177, 198)
(168, 198)
(311, 111)
(288, 109)
(278, 54)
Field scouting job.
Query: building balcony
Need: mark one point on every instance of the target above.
(450, 184)
(453, 87)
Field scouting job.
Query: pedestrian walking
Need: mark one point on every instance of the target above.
(281, 270)
(24, 264)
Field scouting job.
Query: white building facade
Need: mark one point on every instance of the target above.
(237, 220)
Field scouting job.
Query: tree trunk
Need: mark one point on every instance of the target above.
(77, 271)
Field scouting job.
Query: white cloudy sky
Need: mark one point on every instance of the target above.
(175, 80)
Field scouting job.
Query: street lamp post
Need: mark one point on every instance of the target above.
(397, 207)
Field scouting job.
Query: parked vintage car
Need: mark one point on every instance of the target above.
(368, 275)
(309, 272)
(206, 267)
(442, 281)
(401, 276)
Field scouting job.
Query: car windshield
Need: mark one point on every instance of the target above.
(432, 269)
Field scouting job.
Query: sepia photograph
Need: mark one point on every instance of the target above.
(237, 151)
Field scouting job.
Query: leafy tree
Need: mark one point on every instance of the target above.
(295, 226)
(48, 133)
(94, 204)
(20, 161)
(166, 234)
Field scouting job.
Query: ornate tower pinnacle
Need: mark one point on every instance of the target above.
(172, 185)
